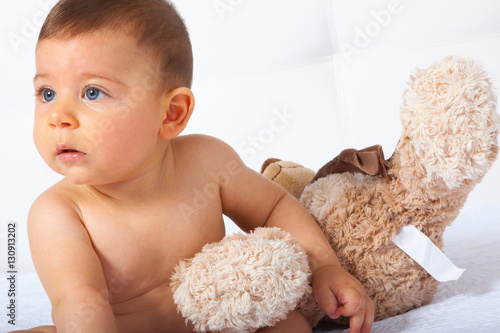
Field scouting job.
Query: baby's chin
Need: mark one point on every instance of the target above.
(76, 178)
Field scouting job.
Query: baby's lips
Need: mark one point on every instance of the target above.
(66, 149)
(66, 154)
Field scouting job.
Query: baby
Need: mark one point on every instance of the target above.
(112, 96)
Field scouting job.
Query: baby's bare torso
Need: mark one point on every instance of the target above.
(139, 245)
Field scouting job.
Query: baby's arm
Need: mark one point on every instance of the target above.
(251, 201)
(68, 266)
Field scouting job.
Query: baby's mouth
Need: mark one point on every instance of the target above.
(67, 154)
(63, 150)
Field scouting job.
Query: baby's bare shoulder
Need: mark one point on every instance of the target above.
(199, 143)
(61, 193)
(210, 151)
(58, 200)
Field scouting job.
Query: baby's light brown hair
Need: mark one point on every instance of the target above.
(155, 24)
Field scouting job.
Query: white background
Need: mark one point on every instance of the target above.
(336, 70)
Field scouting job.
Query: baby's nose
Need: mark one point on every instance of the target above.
(63, 119)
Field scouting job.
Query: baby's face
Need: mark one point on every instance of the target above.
(98, 107)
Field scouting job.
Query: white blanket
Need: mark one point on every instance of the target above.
(470, 304)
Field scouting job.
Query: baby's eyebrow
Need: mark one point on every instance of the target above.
(38, 76)
(103, 77)
(87, 75)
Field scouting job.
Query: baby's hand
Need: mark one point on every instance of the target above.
(340, 294)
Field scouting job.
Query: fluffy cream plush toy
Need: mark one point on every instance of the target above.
(243, 282)
(363, 203)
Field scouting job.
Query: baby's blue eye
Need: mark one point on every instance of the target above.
(49, 95)
(94, 94)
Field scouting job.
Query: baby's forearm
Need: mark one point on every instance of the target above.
(85, 310)
(288, 214)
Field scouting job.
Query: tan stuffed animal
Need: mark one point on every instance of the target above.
(361, 202)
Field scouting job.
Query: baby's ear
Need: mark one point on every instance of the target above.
(180, 102)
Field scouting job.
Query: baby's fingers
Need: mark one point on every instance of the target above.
(362, 320)
(350, 302)
(360, 310)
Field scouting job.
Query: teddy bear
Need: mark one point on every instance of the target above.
(363, 203)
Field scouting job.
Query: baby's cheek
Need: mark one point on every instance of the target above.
(125, 141)
(130, 129)
(41, 141)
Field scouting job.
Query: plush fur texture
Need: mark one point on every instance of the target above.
(242, 283)
(448, 143)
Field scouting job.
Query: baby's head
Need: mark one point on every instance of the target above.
(112, 87)
(155, 25)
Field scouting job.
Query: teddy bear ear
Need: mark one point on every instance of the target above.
(268, 162)
(292, 176)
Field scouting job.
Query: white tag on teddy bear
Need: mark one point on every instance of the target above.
(421, 249)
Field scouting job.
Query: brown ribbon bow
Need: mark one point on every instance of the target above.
(368, 161)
